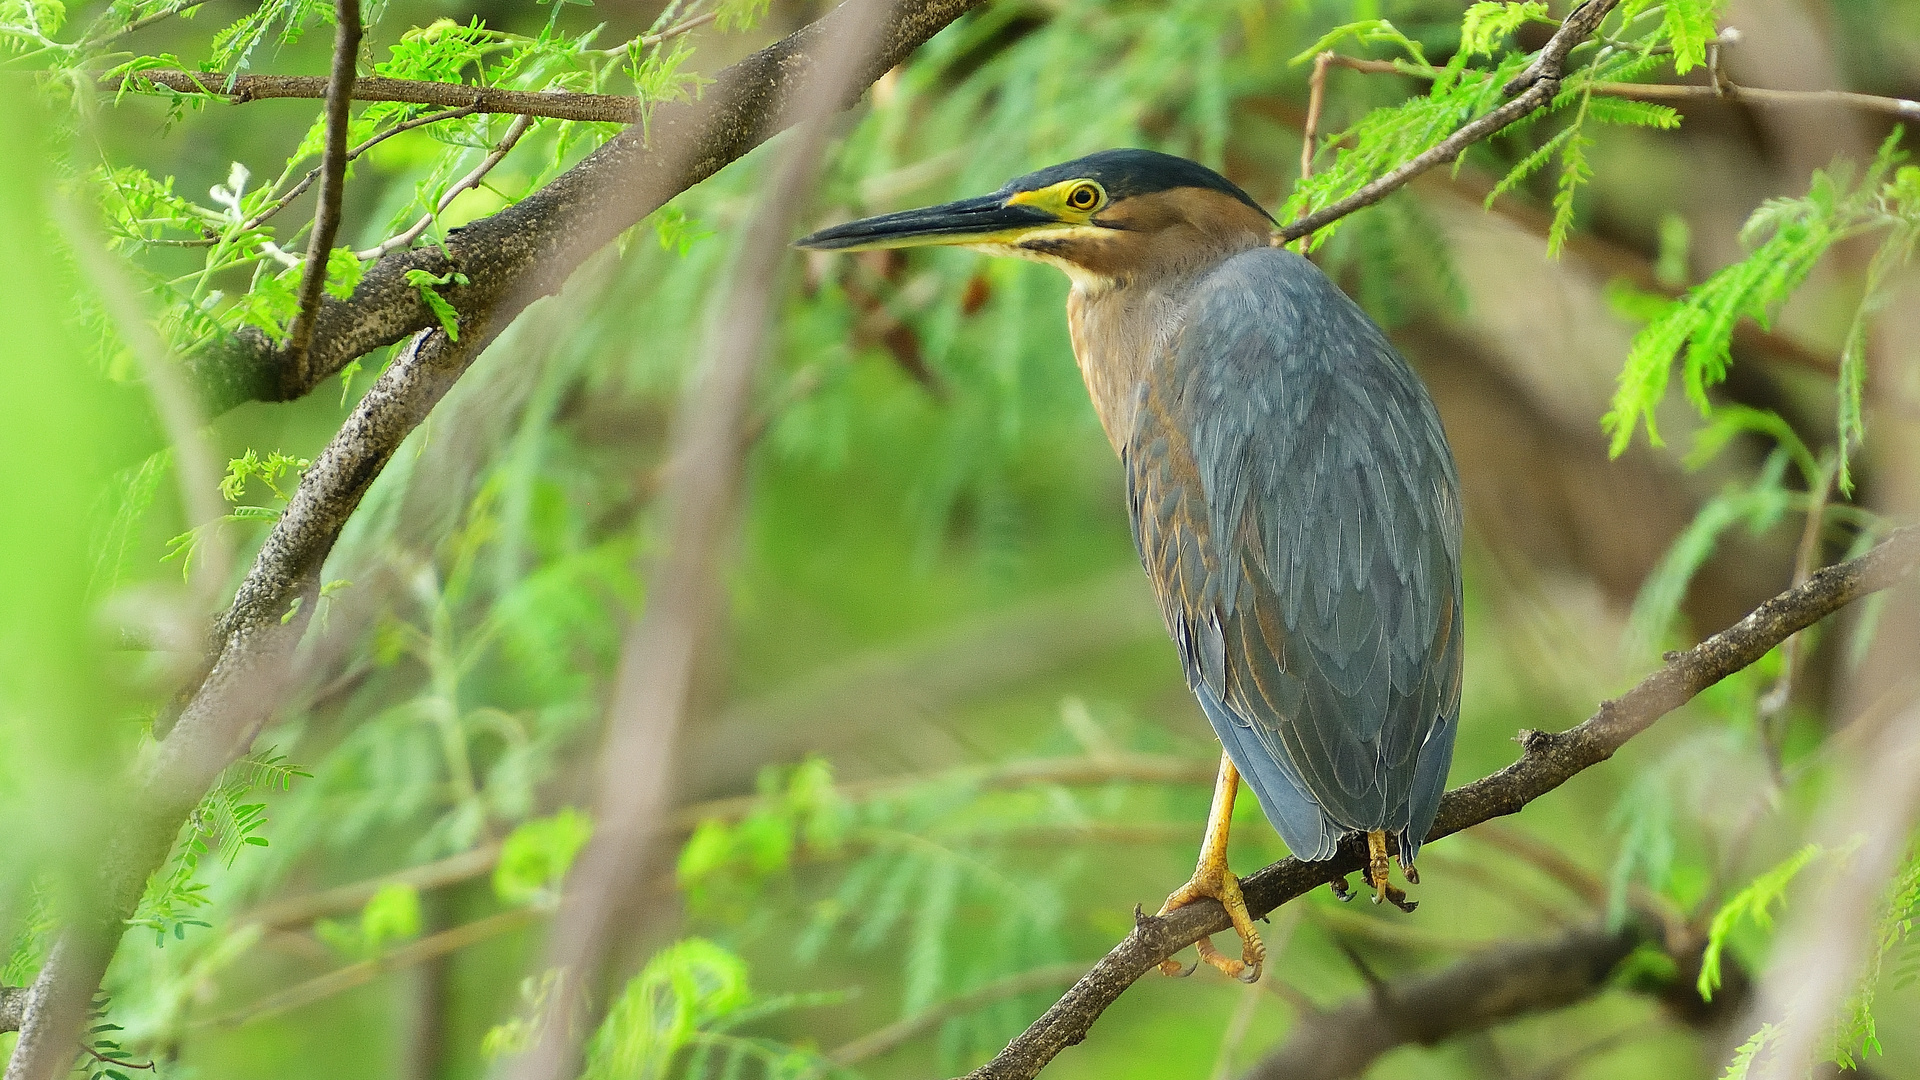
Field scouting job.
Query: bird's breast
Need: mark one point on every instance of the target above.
(1114, 336)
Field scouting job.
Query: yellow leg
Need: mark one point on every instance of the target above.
(1378, 866)
(1212, 879)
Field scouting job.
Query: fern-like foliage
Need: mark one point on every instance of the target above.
(1894, 962)
(1787, 237)
(1751, 904)
(1750, 1051)
(681, 1017)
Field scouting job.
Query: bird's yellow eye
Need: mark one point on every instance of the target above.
(1083, 196)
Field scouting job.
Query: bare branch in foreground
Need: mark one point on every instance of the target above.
(1535, 87)
(1548, 761)
(1755, 95)
(333, 179)
(684, 594)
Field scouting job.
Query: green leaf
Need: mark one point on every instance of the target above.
(1643, 114)
(1574, 172)
(535, 857)
(1689, 26)
(1365, 32)
(1749, 1052)
(1749, 904)
(1488, 22)
(392, 914)
(1530, 164)
(444, 311)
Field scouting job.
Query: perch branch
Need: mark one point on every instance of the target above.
(1548, 760)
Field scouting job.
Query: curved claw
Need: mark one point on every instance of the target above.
(1341, 890)
(1173, 969)
(1252, 974)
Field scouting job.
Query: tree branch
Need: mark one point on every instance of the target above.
(333, 179)
(1727, 91)
(522, 253)
(13, 1007)
(530, 248)
(241, 89)
(1501, 983)
(1535, 86)
(1548, 761)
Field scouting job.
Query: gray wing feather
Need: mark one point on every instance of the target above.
(1295, 501)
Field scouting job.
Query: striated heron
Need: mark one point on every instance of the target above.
(1292, 494)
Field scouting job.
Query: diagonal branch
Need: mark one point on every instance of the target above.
(1535, 87)
(1548, 761)
(1500, 983)
(333, 178)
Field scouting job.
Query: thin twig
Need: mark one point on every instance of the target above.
(901, 1032)
(333, 178)
(1316, 96)
(1535, 87)
(91, 41)
(313, 174)
(1548, 761)
(1728, 91)
(500, 150)
(343, 979)
(240, 89)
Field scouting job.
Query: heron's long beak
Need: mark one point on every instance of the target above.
(988, 219)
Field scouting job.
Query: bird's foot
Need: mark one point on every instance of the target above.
(1212, 880)
(1377, 870)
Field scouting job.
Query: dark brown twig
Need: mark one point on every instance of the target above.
(333, 177)
(1535, 87)
(240, 89)
(313, 174)
(1548, 761)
